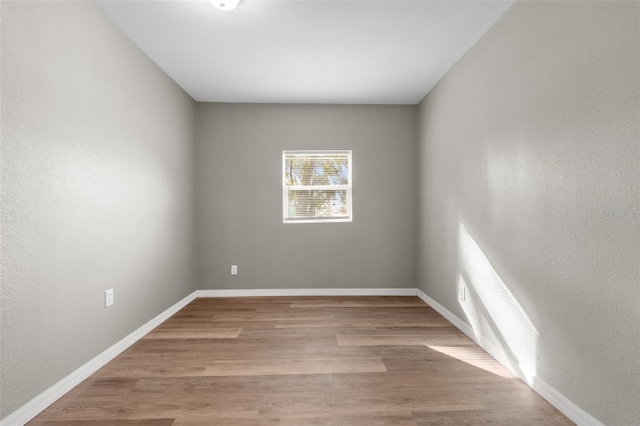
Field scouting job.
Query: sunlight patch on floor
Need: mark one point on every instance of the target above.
(476, 357)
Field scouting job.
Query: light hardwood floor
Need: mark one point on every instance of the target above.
(303, 361)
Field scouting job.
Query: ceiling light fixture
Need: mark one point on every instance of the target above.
(225, 5)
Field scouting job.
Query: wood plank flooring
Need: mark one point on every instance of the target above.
(303, 361)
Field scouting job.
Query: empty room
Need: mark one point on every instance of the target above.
(307, 212)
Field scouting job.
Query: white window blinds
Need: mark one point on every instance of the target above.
(316, 186)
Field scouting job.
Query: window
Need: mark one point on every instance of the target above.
(316, 186)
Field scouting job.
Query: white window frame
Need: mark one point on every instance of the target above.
(348, 188)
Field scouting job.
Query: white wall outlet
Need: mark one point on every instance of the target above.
(462, 293)
(234, 269)
(108, 298)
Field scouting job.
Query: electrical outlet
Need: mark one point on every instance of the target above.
(462, 293)
(108, 298)
(234, 269)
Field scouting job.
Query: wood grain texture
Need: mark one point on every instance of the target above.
(303, 361)
(194, 333)
(265, 367)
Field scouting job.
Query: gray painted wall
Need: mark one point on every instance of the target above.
(531, 141)
(239, 193)
(97, 192)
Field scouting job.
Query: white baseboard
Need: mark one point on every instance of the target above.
(453, 319)
(308, 292)
(34, 407)
(545, 390)
(563, 404)
(486, 344)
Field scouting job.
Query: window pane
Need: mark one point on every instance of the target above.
(315, 170)
(311, 203)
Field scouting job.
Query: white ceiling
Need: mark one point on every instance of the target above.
(306, 51)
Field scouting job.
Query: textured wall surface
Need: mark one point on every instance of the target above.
(97, 192)
(529, 197)
(239, 192)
